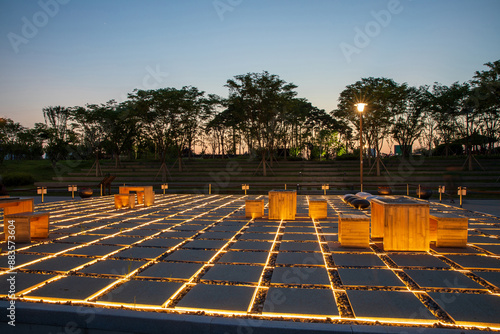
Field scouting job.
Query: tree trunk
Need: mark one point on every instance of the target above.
(264, 163)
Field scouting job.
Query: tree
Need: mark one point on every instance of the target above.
(408, 122)
(59, 134)
(383, 98)
(447, 105)
(485, 99)
(9, 131)
(89, 122)
(262, 98)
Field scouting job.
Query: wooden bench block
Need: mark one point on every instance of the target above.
(318, 209)
(403, 223)
(28, 225)
(282, 204)
(354, 231)
(124, 200)
(254, 208)
(145, 194)
(450, 229)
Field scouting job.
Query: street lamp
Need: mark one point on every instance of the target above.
(361, 107)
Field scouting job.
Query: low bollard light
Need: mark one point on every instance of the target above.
(72, 188)
(41, 191)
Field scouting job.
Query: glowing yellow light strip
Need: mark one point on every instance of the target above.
(266, 266)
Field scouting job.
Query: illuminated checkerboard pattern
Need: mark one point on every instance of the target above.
(192, 253)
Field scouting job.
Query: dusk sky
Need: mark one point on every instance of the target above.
(70, 53)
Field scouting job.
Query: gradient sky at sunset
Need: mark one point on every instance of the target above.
(71, 52)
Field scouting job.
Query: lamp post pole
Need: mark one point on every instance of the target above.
(361, 107)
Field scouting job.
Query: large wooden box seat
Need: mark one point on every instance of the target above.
(145, 194)
(254, 208)
(27, 225)
(282, 204)
(448, 230)
(403, 223)
(354, 231)
(124, 200)
(318, 209)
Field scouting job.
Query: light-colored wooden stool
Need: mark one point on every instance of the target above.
(124, 200)
(448, 230)
(354, 231)
(254, 208)
(27, 226)
(318, 209)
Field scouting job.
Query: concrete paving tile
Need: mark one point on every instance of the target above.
(50, 248)
(177, 234)
(160, 226)
(337, 247)
(265, 229)
(72, 287)
(205, 244)
(234, 273)
(216, 235)
(60, 263)
(23, 281)
(491, 231)
(194, 255)
(331, 237)
(299, 246)
(252, 245)
(300, 275)
(66, 230)
(145, 253)
(94, 250)
(142, 292)
(491, 248)
(369, 277)
(257, 236)
(244, 257)
(225, 228)
(174, 270)
(266, 223)
(417, 260)
(218, 297)
(161, 242)
(470, 308)
(82, 238)
(475, 261)
(455, 250)
(104, 231)
(140, 232)
(492, 277)
(121, 241)
(329, 230)
(188, 227)
(442, 279)
(113, 267)
(319, 302)
(299, 237)
(300, 258)
(357, 260)
(480, 239)
(388, 305)
(19, 260)
(298, 229)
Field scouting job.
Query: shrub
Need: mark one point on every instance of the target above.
(18, 179)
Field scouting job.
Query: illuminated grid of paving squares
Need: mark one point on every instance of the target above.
(198, 252)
